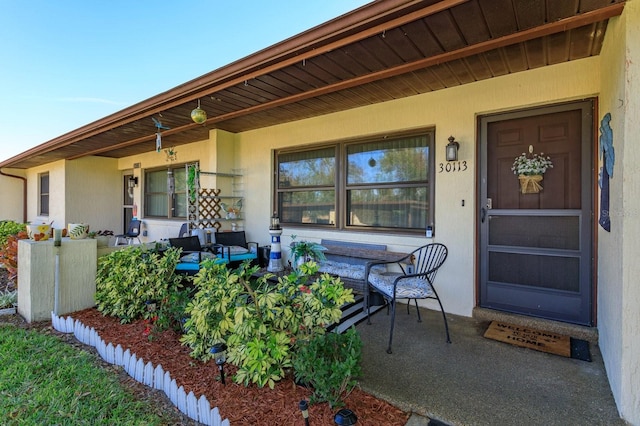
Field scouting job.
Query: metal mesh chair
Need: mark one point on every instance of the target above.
(418, 284)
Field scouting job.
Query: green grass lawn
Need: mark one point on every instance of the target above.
(45, 381)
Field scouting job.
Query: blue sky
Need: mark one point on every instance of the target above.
(67, 63)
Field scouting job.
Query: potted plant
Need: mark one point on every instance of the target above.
(530, 168)
(304, 251)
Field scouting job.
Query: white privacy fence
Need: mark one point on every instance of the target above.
(198, 409)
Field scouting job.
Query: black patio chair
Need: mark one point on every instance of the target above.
(235, 247)
(133, 233)
(418, 284)
(192, 254)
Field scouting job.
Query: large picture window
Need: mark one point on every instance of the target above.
(165, 193)
(384, 184)
(43, 184)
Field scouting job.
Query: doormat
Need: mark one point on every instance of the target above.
(539, 340)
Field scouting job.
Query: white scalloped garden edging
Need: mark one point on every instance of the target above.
(197, 409)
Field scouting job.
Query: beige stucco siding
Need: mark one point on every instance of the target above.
(451, 112)
(618, 267)
(11, 194)
(94, 193)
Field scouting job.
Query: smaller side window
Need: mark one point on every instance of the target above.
(43, 190)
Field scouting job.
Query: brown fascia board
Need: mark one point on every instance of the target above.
(291, 47)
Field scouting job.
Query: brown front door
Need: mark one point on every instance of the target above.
(535, 248)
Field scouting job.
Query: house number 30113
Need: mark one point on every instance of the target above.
(453, 166)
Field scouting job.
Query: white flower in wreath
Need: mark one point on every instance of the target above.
(530, 165)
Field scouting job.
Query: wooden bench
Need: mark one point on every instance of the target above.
(348, 261)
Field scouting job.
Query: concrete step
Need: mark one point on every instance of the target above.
(589, 334)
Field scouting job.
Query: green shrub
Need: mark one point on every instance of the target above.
(9, 227)
(128, 278)
(171, 312)
(330, 364)
(260, 321)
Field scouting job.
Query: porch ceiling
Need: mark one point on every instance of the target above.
(385, 50)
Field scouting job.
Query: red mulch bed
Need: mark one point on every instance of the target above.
(241, 405)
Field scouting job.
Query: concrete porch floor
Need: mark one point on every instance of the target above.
(477, 381)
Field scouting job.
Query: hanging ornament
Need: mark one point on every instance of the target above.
(159, 128)
(199, 115)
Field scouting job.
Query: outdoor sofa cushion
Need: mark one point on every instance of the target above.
(347, 270)
(410, 288)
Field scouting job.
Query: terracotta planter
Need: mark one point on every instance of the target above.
(530, 184)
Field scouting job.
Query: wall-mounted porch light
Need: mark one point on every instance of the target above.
(452, 149)
(133, 182)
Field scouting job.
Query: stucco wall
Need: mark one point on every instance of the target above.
(57, 199)
(618, 267)
(451, 112)
(86, 190)
(94, 193)
(11, 194)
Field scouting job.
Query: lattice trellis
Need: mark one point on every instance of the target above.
(208, 209)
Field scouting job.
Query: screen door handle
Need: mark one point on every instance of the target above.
(483, 214)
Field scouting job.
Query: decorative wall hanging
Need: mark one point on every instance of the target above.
(608, 156)
(530, 169)
(159, 130)
(233, 211)
(172, 154)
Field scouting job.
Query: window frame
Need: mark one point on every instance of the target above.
(341, 187)
(42, 209)
(171, 197)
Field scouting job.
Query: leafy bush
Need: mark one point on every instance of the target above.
(329, 363)
(260, 321)
(9, 227)
(171, 312)
(128, 278)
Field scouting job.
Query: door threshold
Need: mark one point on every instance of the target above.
(589, 334)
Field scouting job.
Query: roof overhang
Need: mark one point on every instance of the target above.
(385, 50)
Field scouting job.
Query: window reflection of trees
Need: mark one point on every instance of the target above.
(385, 184)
